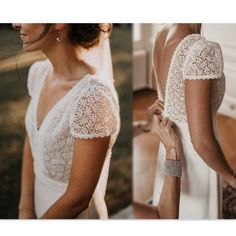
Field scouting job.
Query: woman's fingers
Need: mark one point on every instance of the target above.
(156, 108)
(159, 118)
(164, 122)
(160, 103)
(169, 124)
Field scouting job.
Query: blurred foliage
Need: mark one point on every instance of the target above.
(13, 105)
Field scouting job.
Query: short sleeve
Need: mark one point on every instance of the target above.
(204, 61)
(93, 114)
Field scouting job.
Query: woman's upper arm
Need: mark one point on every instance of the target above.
(203, 65)
(92, 122)
(88, 158)
(198, 108)
(27, 148)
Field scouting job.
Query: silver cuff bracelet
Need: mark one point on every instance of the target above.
(172, 168)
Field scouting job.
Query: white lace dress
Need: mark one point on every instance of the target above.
(89, 110)
(194, 58)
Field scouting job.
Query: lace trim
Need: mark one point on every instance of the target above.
(205, 77)
(91, 136)
(204, 61)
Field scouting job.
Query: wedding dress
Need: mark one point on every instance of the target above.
(194, 58)
(89, 110)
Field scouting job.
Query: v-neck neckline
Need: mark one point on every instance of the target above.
(170, 65)
(45, 76)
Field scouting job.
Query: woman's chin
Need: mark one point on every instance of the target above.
(28, 48)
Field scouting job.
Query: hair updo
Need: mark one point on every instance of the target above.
(84, 35)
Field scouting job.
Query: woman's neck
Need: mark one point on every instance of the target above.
(65, 61)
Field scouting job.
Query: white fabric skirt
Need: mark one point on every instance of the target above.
(199, 197)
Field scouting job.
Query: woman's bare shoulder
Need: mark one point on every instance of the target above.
(162, 33)
(161, 37)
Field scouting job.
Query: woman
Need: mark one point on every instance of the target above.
(72, 122)
(168, 205)
(189, 73)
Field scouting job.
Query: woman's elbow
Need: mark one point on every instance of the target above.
(79, 202)
(203, 146)
(82, 203)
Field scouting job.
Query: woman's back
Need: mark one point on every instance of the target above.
(176, 61)
(179, 57)
(166, 43)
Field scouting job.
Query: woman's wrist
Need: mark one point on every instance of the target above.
(171, 154)
(26, 209)
(27, 206)
(26, 213)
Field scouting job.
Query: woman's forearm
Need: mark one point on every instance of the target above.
(212, 154)
(168, 206)
(198, 101)
(27, 179)
(86, 168)
(67, 207)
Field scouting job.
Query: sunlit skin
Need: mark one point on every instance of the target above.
(88, 154)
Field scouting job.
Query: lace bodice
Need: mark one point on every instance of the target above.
(89, 110)
(194, 58)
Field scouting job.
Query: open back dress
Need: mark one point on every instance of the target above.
(194, 58)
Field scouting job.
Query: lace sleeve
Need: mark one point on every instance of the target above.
(204, 61)
(93, 114)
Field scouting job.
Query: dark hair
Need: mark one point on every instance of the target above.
(84, 35)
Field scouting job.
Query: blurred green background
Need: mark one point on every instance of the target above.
(13, 104)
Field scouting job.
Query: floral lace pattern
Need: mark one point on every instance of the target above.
(88, 110)
(204, 61)
(194, 58)
(93, 116)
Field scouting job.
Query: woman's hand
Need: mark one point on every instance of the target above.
(165, 131)
(155, 109)
(27, 214)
